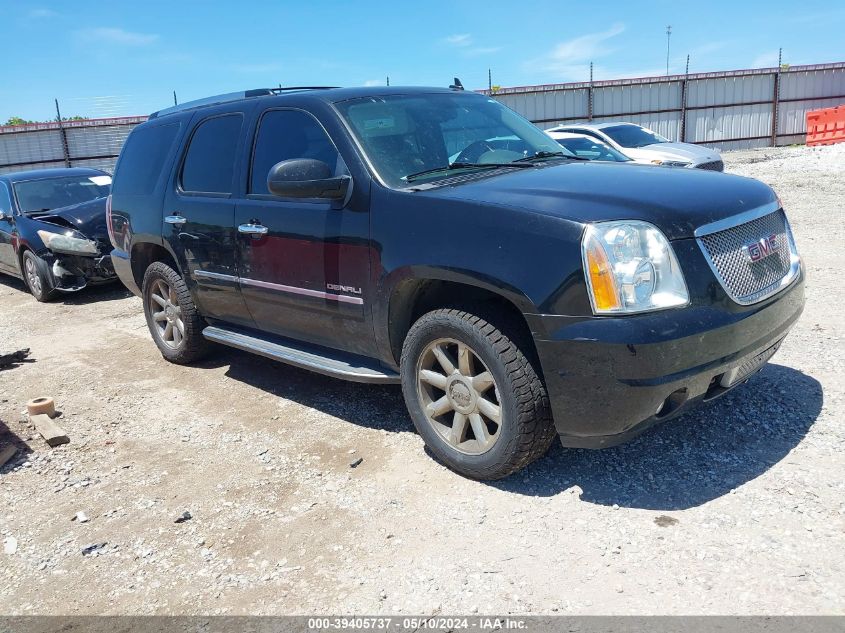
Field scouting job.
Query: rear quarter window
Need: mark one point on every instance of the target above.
(142, 159)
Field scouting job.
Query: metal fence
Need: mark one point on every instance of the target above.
(87, 143)
(729, 110)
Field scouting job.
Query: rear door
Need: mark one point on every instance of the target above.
(199, 212)
(7, 231)
(307, 276)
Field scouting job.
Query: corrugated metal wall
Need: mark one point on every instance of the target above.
(94, 143)
(727, 110)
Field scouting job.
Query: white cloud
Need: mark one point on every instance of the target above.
(374, 82)
(110, 35)
(765, 60)
(571, 59)
(460, 40)
(38, 14)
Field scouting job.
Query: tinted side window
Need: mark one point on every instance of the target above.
(285, 134)
(210, 161)
(142, 159)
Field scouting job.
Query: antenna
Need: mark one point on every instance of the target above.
(668, 36)
(457, 85)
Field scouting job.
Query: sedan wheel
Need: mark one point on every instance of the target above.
(32, 276)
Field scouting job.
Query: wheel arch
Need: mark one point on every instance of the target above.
(143, 254)
(416, 292)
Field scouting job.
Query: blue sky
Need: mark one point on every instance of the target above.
(117, 58)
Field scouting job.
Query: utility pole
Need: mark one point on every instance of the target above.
(388, 80)
(175, 102)
(63, 133)
(490, 80)
(668, 37)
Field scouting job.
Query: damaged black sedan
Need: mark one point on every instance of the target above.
(53, 232)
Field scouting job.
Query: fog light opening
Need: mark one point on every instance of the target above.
(671, 404)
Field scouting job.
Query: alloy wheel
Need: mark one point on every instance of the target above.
(459, 396)
(166, 314)
(32, 277)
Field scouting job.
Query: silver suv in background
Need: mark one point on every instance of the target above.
(646, 146)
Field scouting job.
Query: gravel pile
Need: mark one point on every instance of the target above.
(244, 486)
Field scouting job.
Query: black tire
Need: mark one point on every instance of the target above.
(192, 346)
(41, 286)
(526, 429)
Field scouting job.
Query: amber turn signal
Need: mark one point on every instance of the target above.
(602, 281)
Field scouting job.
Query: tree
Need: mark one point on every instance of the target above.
(16, 120)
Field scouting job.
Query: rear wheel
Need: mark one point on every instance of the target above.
(474, 396)
(36, 274)
(172, 317)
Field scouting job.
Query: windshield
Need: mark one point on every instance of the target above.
(36, 196)
(592, 149)
(633, 135)
(404, 135)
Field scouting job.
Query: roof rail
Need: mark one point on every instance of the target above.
(233, 96)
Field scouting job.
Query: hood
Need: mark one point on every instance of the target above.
(674, 151)
(89, 218)
(677, 201)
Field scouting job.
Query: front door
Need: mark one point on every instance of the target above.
(304, 264)
(7, 231)
(200, 213)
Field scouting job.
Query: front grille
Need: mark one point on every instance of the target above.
(744, 280)
(715, 165)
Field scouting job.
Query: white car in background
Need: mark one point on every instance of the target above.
(645, 146)
(588, 147)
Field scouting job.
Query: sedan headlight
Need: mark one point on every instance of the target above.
(64, 243)
(631, 267)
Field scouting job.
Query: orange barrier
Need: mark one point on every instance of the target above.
(826, 127)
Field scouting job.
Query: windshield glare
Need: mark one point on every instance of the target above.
(36, 196)
(408, 134)
(633, 135)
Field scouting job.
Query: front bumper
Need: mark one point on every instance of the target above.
(70, 273)
(610, 378)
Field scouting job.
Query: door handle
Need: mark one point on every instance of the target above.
(253, 229)
(175, 219)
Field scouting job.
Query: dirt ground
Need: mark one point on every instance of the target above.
(735, 508)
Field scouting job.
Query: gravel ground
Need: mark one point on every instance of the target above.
(735, 508)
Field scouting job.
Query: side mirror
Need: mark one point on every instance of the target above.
(306, 178)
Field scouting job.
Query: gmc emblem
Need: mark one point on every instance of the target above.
(755, 251)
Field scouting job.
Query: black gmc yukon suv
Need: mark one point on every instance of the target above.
(435, 238)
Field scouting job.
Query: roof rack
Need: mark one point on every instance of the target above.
(234, 96)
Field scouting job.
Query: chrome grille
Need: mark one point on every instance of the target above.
(746, 281)
(714, 165)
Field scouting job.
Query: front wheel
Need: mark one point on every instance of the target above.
(474, 395)
(36, 273)
(171, 315)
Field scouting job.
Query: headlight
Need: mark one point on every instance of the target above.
(67, 244)
(631, 267)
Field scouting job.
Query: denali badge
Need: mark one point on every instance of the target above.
(339, 288)
(755, 251)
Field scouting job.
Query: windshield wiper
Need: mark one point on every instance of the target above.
(434, 170)
(544, 154)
